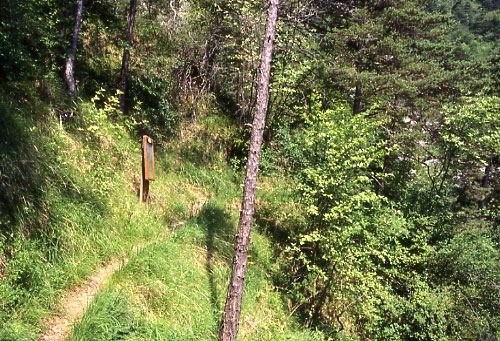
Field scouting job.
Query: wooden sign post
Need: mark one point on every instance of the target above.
(148, 168)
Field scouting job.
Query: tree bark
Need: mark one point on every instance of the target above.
(485, 184)
(357, 93)
(232, 310)
(68, 70)
(357, 100)
(126, 53)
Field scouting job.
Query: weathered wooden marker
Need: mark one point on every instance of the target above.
(148, 168)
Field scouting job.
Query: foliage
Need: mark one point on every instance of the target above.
(153, 89)
(396, 53)
(53, 214)
(100, 118)
(470, 130)
(341, 151)
(469, 269)
(478, 23)
(359, 263)
(68, 202)
(382, 154)
(31, 44)
(473, 126)
(284, 152)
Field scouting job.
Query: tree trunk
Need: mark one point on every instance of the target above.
(356, 108)
(68, 70)
(232, 310)
(485, 184)
(126, 53)
(357, 100)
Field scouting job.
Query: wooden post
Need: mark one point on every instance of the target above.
(148, 168)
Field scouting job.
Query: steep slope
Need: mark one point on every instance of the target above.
(71, 190)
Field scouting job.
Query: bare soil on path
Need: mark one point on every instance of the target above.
(76, 301)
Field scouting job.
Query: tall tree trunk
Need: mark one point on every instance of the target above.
(68, 70)
(126, 53)
(232, 310)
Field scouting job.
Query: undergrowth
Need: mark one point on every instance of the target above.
(174, 289)
(69, 183)
(68, 203)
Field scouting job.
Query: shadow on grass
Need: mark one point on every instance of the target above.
(219, 239)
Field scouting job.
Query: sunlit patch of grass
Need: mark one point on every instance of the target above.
(110, 317)
(178, 284)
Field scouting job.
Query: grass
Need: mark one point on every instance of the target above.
(174, 289)
(70, 203)
(67, 207)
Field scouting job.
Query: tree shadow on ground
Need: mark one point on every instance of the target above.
(219, 238)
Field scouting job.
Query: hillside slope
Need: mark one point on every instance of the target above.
(71, 204)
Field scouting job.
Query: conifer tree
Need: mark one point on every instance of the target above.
(397, 55)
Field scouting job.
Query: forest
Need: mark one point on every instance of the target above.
(378, 198)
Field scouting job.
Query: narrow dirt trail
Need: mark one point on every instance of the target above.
(76, 301)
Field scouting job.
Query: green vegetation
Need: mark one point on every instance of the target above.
(70, 198)
(174, 289)
(377, 216)
(82, 190)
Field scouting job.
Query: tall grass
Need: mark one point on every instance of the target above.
(174, 289)
(69, 203)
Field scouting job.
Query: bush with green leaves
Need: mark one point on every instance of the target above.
(154, 89)
(284, 154)
(361, 265)
(467, 267)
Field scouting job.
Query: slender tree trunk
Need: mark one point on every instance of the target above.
(357, 100)
(232, 310)
(126, 53)
(485, 184)
(356, 108)
(68, 70)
